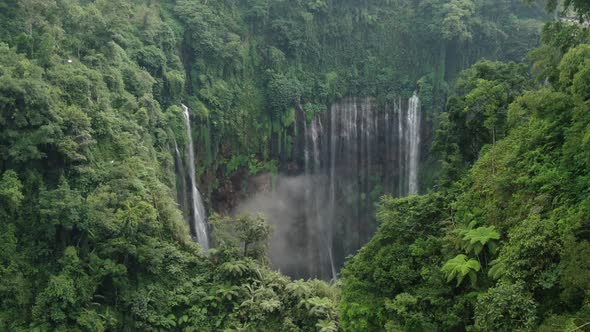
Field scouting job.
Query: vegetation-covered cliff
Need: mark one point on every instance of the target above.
(502, 244)
(93, 234)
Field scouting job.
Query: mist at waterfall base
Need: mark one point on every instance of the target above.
(291, 250)
(351, 156)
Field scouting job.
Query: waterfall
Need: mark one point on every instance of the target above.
(308, 207)
(408, 150)
(352, 154)
(315, 221)
(332, 214)
(401, 148)
(413, 124)
(199, 220)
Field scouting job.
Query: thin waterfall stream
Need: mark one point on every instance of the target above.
(413, 125)
(199, 215)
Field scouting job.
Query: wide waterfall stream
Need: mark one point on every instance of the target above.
(352, 154)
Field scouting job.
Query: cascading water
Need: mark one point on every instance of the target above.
(330, 233)
(365, 151)
(413, 125)
(199, 217)
(401, 149)
(318, 227)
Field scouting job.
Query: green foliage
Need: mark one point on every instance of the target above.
(513, 213)
(252, 63)
(245, 235)
(532, 253)
(11, 190)
(253, 165)
(580, 7)
(458, 13)
(477, 115)
(396, 277)
(460, 267)
(571, 63)
(476, 239)
(506, 307)
(91, 237)
(284, 93)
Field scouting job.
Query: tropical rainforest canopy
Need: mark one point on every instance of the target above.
(465, 126)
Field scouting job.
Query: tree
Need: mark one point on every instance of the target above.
(581, 7)
(11, 190)
(477, 114)
(245, 235)
(455, 23)
(284, 93)
(506, 307)
(487, 101)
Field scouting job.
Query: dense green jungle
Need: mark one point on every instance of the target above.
(295, 165)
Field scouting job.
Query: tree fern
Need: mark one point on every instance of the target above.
(476, 239)
(327, 326)
(235, 268)
(497, 269)
(459, 267)
(300, 289)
